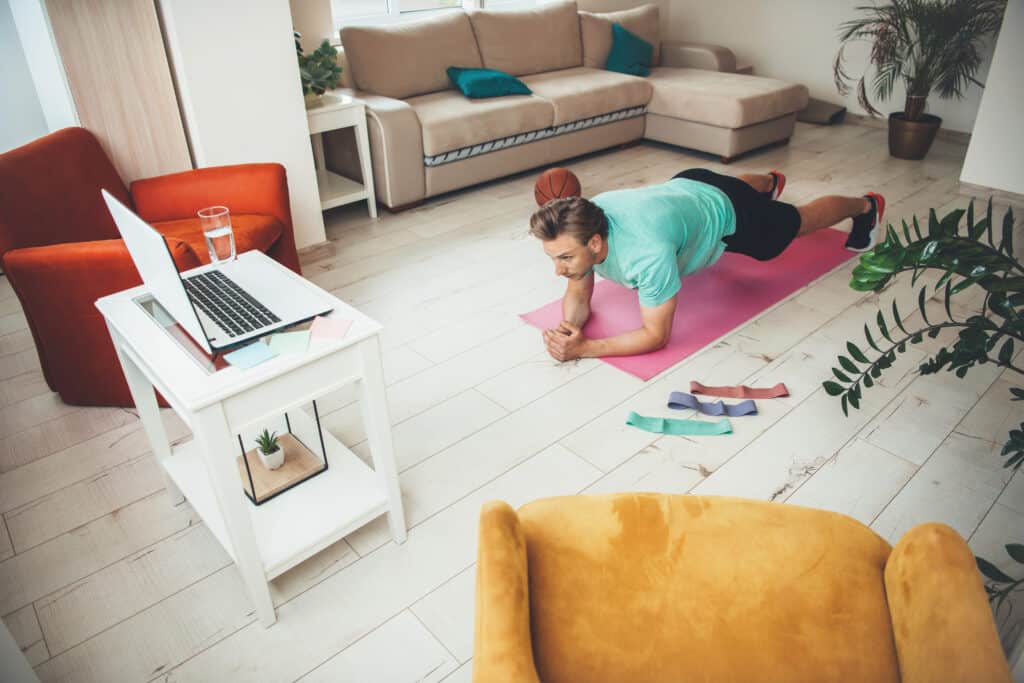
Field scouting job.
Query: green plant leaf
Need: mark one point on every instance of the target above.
(929, 250)
(920, 304)
(857, 354)
(848, 365)
(868, 382)
(880, 320)
(948, 295)
(992, 572)
(988, 223)
(871, 342)
(916, 338)
(1006, 353)
(846, 407)
(1007, 244)
(934, 227)
(833, 388)
(896, 316)
(906, 231)
(1016, 551)
(934, 332)
(1018, 394)
(854, 399)
(950, 222)
(970, 220)
(841, 376)
(917, 228)
(876, 372)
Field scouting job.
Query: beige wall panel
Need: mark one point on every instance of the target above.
(114, 56)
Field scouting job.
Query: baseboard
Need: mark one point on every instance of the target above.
(983, 192)
(879, 122)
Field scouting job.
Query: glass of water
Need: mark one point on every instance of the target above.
(220, 238)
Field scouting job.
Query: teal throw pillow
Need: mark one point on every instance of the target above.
(477, 83)
(630, 54)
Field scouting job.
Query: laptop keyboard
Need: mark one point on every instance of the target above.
(227, 304)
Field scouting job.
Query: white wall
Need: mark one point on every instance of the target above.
(238, 82)
(21, 117)
(797, 40)
(51, 91)
(995, 157)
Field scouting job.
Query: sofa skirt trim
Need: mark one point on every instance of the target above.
(462, 153)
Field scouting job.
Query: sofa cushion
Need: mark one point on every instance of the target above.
(480, 83)
(580, 93)
(251, 232)
(630, 53)
(410, 59)
(737, 590)
(596, 32)
(529, 41)
(726, 100)
(451, 121)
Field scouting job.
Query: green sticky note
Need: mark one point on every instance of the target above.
(668, 425)
(287, 343)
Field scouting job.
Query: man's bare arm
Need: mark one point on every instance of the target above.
(576, 302)
(654, 335)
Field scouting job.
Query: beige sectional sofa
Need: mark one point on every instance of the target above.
(427, 138)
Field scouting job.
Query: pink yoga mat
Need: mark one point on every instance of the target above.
(711, 302)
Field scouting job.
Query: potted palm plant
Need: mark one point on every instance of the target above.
(929, 46)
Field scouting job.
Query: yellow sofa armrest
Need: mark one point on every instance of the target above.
(941, 620)
(502, 650)
(681, 54)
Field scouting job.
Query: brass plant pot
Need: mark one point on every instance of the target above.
(912, 139)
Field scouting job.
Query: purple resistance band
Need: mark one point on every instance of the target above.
(680, 400)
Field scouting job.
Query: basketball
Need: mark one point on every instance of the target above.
(555, 183)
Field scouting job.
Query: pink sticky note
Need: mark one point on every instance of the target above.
(328, 328)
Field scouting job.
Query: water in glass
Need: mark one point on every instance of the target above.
(220, 238)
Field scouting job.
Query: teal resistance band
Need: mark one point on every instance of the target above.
(667, 425)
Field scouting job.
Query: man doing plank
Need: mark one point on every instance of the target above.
(647, 238)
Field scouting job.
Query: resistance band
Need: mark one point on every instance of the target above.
(680, 400)
(740, 391)
(666, 425)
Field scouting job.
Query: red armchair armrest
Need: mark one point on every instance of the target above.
(58, 286)
(245, 189)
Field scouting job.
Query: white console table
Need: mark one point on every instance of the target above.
(334, 112)
(218, 406)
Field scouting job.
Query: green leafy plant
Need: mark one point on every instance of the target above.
(929, 45)
(267, 442)
(319, 69)
(1001, 587)
(968, 257)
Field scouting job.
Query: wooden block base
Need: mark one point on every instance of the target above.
(299, 463)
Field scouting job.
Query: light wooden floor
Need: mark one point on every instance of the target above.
(101, 580)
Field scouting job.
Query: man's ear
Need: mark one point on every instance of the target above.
(594, 243)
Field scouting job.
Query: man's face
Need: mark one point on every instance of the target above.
(572, 259)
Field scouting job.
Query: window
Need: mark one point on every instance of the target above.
(382, 11)
(373, 11)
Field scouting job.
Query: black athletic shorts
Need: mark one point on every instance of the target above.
(764, 227)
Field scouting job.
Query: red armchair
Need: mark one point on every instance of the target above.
(61, 250)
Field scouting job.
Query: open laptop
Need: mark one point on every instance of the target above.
(219, 306)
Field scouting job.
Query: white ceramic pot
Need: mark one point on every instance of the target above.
(272, 461)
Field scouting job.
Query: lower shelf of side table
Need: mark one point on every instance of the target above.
(336, 190)
(300, 522)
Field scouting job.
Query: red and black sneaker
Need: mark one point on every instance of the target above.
(780, 182)
(866, 226)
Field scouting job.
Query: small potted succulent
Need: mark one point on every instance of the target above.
(270, 451)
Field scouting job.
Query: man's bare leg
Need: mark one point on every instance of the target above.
(827, 211)
(763, 183)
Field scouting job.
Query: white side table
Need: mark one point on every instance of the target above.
(265, 540)
(335, 112)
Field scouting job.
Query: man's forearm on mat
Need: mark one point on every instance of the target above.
(630, 343)
(575, 311)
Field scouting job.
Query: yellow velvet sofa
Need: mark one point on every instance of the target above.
(638, 588)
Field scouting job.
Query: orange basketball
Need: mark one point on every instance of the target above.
(555, 183)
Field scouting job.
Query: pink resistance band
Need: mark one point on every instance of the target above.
(740, 391)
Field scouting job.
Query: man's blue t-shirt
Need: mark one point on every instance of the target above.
(659, 233)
